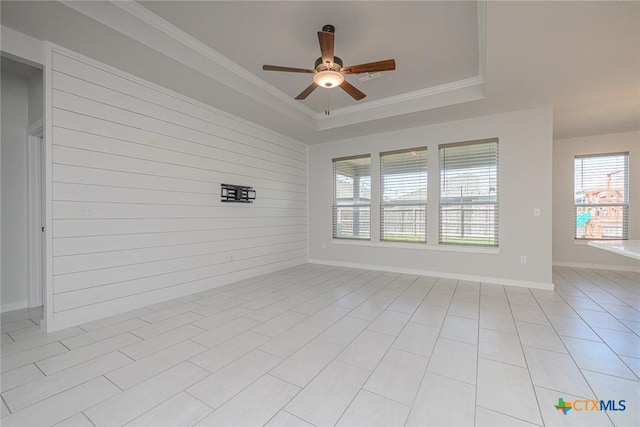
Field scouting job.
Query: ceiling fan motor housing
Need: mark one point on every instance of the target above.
(336, 66)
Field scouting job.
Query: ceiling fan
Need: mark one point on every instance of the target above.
(328, 70)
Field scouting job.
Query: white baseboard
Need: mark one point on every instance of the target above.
(596, 266)
(446, 275)
(13, 306)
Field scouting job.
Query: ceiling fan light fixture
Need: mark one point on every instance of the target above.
(328, 79)
(329, 72)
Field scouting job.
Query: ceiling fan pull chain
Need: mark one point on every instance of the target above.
(326, 111)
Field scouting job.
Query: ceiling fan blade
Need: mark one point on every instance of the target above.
(287, 69)
(352, 90)
(326, 46)
(307, 91)
(371, 67)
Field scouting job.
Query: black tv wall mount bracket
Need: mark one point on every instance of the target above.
(237, 193)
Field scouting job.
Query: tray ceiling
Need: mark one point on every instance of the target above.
(433, 42)
(455, 60)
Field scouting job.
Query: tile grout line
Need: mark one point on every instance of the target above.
(335, 358)
(383, 356)
(86, 417)
(173, 395)
(511, 416)
(602, 341)
(426, 369)
(108, 379)
(4, 402)
(571, 356)
(266, 373)
(524, 356)
(475, 390)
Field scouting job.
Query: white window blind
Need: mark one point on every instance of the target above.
(352, 197)
(601, 196)
(403, 201)
(469, 193)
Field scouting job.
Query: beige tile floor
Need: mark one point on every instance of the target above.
(319, 345)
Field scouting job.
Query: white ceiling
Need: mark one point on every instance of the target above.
(454, 59)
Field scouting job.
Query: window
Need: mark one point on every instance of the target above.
(352, 197)
(403, 201)
(601, 196)
(469, 193)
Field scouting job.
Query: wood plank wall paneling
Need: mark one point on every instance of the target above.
(136, 208)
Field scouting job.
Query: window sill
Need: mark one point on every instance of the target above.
(417, 246)
(585, 242)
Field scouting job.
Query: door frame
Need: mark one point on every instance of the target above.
(35, 214)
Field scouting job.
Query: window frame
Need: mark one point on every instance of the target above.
(624, 205)
(355, 205)
(494, 241)
(408, 204)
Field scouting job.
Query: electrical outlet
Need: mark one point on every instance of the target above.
(523, 259)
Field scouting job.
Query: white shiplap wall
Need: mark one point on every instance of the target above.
(135, 194)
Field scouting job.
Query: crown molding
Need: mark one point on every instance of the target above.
(410, 96)
(140, 24)
(465, 90)
(171, 30)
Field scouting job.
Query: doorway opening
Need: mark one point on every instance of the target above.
(23, 186)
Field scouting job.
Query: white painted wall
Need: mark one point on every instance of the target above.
(137, 216)
(14, 191)
(525, 147)
(565, 250)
